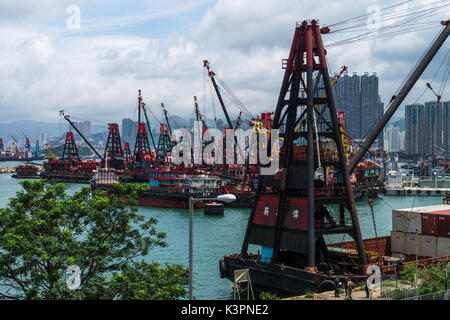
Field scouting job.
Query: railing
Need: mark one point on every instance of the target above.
(442, 295)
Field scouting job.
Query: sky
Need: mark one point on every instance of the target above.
(90, 58)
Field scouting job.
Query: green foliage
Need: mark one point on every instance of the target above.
(409, 274)
(309, 294)
(397, 294)
(431, 277)
(268, 296)
(44, 230)
(389, 284)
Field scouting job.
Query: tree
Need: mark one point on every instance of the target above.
(44, 230)
(431, 277)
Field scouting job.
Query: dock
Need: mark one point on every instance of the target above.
(416, 191)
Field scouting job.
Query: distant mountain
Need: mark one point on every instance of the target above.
(32, 129)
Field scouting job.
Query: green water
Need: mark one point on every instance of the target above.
(218, 236)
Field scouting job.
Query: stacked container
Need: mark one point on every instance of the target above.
(424, 231)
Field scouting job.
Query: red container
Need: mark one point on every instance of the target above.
(430, 223)
(444, 224)
(440, 224)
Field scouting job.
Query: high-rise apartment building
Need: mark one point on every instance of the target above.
(392, 139)
(358, 97)
(427, 128)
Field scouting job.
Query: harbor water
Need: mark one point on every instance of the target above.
(216, 236)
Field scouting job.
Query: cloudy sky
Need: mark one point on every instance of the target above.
(93, 66)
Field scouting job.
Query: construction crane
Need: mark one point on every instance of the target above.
(66, 117)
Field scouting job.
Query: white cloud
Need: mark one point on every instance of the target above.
(97, 77)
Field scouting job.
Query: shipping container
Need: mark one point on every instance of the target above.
(444, 224)
(406, 221)
(398, 242)
(428, 247)
(413, 243)
(397, 221)
(429, 224)
(443, 244)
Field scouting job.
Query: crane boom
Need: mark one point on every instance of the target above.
(398, 99)
(148, 125)
(166, 117)
(66, 117)
(211, 74)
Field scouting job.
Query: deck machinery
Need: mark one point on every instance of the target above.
(310, 198)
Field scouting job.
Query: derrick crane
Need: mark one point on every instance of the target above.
(113, 154)
(142, 151)
(211, 74)
(290, 215)
(67, 118)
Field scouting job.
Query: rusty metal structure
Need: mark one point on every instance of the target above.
(310, 196)
(70, 149)
(114, 154)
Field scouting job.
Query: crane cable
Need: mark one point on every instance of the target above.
(409, 18)
(421, 10)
